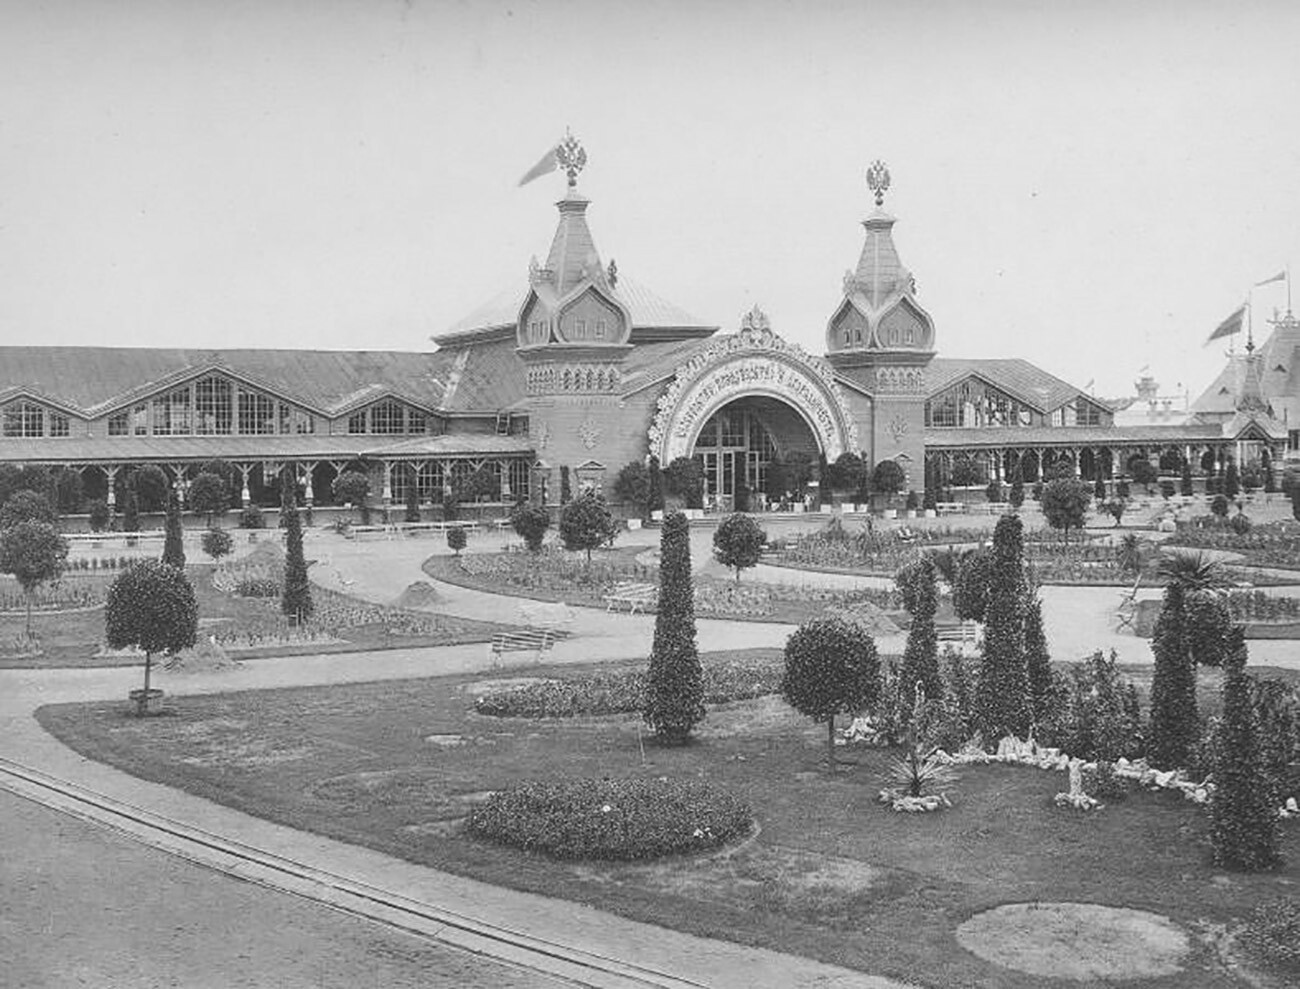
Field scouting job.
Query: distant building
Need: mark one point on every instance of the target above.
(579, 367)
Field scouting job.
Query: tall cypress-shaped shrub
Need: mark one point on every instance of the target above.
(1185, 487)
(1243, 817)
(1232, 481)
(295, 600)
(917, 582)
(674, 687)
(566, 492)
(1038, 661)
(656, 486)
(1002, 704)
(174, 541)
(412, 501)
(1175, 728)
(130, 509)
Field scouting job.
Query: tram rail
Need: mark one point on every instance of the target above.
(273, 870)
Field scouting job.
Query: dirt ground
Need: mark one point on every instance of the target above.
(85, 907)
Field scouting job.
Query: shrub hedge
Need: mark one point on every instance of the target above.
(624, 819)
(623, 691)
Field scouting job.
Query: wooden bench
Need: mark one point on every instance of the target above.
(964, 634)
(998, 507)
(1127, 609)
(632, 594)
(948, 507)
(359, 531)
(534, 640)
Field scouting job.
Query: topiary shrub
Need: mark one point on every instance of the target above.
(1240, 524)
(620, 819)
(456, 539)
(674, 691)
(1002, 705)
(1219, 506)
(587, 523)
(831, 667)
(295, 600)
(152, 606)
(738, 542)
(174, 539)
(100, 515)
(217, 543)
(530, 523)
(251, 517)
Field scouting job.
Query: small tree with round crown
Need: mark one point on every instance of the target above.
(151, 605)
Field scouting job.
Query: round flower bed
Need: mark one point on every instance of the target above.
(611, 819)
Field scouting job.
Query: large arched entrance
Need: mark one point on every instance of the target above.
(745, 400)
(736, 445)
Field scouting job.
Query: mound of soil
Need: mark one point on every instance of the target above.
(419, 595)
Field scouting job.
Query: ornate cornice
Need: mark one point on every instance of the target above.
(756, 338)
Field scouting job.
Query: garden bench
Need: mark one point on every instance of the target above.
(964, 634)
(358, 531)
(1127, 609)
(948, 507)
(415, 528)
(534, 640)
(998, 507)
(632, 594)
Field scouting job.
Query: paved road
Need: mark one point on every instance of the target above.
(83, 906)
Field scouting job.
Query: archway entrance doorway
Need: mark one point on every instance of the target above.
(738, 443)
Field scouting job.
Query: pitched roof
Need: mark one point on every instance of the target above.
(649, 311)
(1020, 379)
(95, 379)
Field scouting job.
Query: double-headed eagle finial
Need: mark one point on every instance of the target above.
(878, 180)
(571, 156)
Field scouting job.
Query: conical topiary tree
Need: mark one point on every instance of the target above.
(295, 598)
(1243, 817)
(674, 701)
(1002, 697)
(1175, 728)
(174, 541)
(1038, 661)
(917, 582)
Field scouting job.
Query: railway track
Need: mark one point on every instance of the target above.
(243, 861)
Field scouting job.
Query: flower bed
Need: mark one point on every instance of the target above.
(612, 819)
(622, 691)
(62, 595)
(1273, 544)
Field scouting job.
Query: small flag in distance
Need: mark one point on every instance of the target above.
(1230, 325)
(1279, 277)
(549, 163)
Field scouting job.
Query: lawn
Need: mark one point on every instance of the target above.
(831, 874)
(246, 626)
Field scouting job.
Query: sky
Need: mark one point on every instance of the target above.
(1092, 186)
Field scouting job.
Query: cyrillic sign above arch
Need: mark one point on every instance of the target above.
(754, 361)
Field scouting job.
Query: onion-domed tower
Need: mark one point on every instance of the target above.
(881, 339)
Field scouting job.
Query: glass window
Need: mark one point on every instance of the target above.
(171, 413)
(59, 425)
(357, 423)
(256, 413)
(24, 419)
(386, 418)
(117, 425)
(579, 329)
(600, 329)
(140, 420)
(213, 411)
(416, 421)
